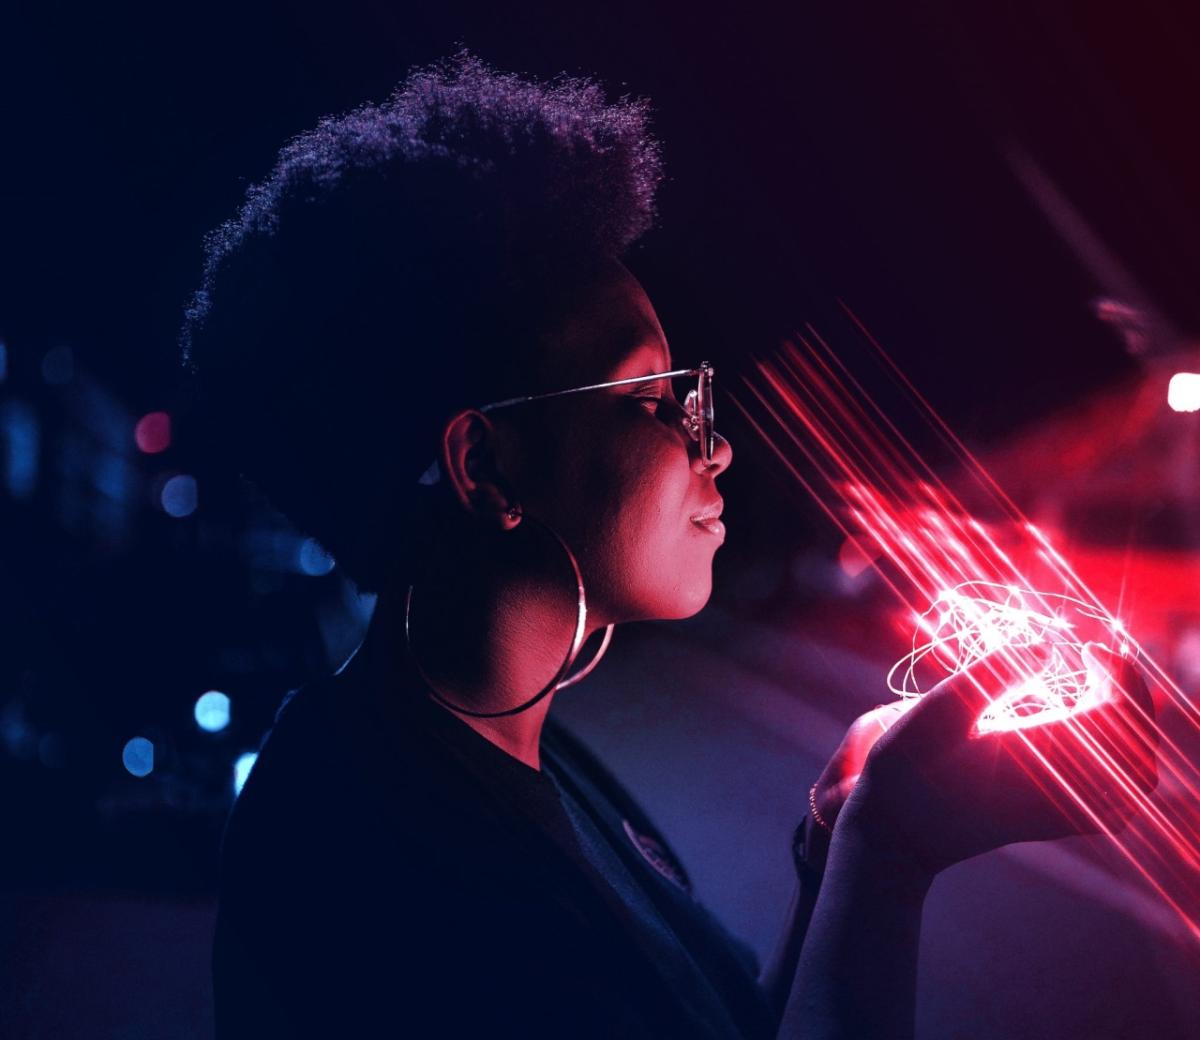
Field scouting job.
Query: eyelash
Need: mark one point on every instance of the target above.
(656, 401)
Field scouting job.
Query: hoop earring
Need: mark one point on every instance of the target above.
(559, 681)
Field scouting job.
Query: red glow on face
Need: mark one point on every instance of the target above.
(152, 434)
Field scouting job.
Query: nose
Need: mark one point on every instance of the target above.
(722, 456)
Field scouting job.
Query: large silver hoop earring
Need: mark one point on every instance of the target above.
(560, 681)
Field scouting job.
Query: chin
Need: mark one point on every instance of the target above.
(645, 595)
(684, 602)
(698, 601)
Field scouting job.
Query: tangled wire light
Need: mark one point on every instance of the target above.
(976, 618)
(918, 532)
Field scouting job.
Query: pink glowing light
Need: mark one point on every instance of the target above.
(152, 433)
(977, 618)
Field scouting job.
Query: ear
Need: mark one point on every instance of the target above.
(470, 462)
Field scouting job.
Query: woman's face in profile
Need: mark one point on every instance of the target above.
(616, 473)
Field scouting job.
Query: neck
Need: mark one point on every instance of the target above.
(483, 657)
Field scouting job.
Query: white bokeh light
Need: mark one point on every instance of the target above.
(241, 770)
(1183, 392)
(212, 711)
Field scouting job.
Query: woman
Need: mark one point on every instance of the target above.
(419, 339)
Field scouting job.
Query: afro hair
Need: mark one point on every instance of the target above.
(396, 264)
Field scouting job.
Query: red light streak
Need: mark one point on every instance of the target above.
(961, 580)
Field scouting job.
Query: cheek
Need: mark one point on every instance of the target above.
(640, 549)
(644, 482)
(620, 499)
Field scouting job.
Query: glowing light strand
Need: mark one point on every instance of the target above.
(976, 618)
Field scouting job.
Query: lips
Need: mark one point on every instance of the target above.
(709, 519)
(712, 525)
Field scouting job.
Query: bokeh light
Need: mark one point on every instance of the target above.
(138, 756)
(179, 496)
(314, 560)
(152, 433)
(241, 770)
(212, 711)
(21, 434)
(1183, 392)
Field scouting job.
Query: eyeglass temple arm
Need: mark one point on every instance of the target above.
(595, 386)
(433, 474)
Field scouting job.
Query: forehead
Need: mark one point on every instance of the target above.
(608, 330)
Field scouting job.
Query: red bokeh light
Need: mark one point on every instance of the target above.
(153, 433)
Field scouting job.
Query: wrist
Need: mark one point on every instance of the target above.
(871, 850)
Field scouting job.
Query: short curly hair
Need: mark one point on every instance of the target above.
(396, 264)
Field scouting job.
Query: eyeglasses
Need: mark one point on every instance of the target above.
(697, 407)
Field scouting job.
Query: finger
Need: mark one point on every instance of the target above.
(1127, 708)
(860, 738)
(1105, 753)
(1122, 730)
(883, 717)
(1122, 677)
(952, 708)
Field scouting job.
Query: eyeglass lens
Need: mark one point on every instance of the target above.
(699, 407)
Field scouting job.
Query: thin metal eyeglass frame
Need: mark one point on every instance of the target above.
(697, 406)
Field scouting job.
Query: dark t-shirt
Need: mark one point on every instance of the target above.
(387, 871)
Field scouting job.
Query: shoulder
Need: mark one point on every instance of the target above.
(350, 789)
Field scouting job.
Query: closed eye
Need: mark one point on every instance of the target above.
(665, 408)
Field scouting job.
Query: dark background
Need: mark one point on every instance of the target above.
(815, 152)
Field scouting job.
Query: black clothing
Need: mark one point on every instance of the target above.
(387, 871)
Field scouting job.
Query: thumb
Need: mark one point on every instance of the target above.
(952, 707)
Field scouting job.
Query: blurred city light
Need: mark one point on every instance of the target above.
(1183, 392)
(179, 496)
(212, 711)
(314, 560)
(16, 734)
(58, 366)
(241, 770)
(152, 433)
(22, 439)
(138, 756)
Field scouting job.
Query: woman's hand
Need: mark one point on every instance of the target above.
(935, 790)
(842, 771)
